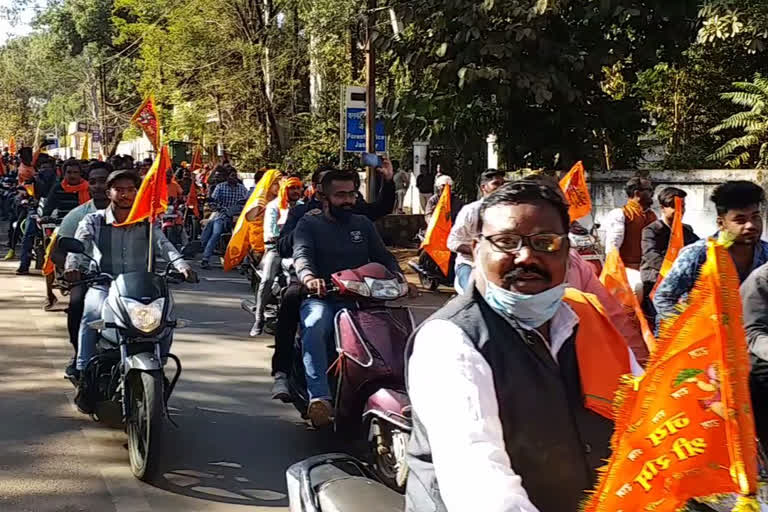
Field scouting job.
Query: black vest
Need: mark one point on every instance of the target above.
(554, 443)
(122, 253)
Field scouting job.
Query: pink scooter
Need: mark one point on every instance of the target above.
(369, 384)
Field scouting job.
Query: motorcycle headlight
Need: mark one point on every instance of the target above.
(145, 317)
(383, 289)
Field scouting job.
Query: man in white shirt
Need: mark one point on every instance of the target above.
(508, 416)
(464, 230)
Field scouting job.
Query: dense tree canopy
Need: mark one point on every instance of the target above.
(554, 80)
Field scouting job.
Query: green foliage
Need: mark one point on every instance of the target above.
(751, 146)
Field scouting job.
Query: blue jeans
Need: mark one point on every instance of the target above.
(463, 273)
(211, 234)
(88, 338)
(27, 242)
(317, 327)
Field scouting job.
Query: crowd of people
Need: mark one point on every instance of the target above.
(530, 313)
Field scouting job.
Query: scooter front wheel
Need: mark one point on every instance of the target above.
(388, 447)
(145, 423)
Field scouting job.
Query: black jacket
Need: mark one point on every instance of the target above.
(654, 245)
(60, 200)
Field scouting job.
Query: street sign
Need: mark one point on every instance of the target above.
(355, 133)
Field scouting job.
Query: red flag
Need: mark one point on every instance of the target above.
(192, 199)
(152, 199)
(2, 167)
(574, 185)
(147, 119)
(197, 159)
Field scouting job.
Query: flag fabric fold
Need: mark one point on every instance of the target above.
(197, 159)
(192, 199)
(574, 186)
(147, 119)
(436, 240)
(685, 429)
(614, 278)
(152, 198)
(12, 146)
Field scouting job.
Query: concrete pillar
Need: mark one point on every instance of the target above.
(493, 152)
(412, 198)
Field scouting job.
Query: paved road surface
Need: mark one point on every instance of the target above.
(230, 452)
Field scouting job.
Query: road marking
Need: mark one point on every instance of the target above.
(124, 490)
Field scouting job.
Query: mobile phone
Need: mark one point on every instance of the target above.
(371, 160)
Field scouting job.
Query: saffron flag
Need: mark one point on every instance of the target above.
(12, 146)
(84, 154)
(574, 185)
(48, 266)
(436, 240)
(197, 159)
(152, 198)
(147, 119)
(686, 429)
(192, 199)
(676, 244)
(614, 278)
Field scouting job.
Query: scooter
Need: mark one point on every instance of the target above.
(124, 383)
(587, 244)
(338, 483)
(369, 388)
(430, 275)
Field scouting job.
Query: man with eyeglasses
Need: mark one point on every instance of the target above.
(512, 383)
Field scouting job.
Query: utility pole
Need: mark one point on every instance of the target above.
(370, 96)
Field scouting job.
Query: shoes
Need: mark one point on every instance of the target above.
(320, 412)
(280, 388)
(204, 264)
(22, 272)
(72, 373)
(10, 255)
(82, 404)
(256, 330)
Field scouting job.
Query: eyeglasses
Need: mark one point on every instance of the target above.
(543, 242)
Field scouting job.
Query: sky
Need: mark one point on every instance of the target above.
(21, 27)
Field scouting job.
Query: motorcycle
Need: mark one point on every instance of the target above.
(173, 225)
(338, 483)
(587, 244)
(369, 389)
(124, 383)
(255, 274)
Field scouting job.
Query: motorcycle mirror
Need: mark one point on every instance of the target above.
(72, 245)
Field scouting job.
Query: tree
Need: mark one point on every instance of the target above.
(750, 148)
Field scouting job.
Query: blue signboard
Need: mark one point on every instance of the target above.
(355, 136)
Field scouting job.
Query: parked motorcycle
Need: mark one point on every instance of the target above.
(124, 382)
(369, 388)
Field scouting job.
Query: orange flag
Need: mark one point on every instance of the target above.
(676, 244)
(152, 198)
(436, 241)
(192, 199)
(574, 185)
(147, 119)
(197, 159)
(12, 146)
(686, 428)
(614, 278)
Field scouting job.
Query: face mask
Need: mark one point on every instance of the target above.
(340, 214)
(531, 310)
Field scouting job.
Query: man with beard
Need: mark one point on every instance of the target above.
(739, 223)
(97, 186)
(512, 383)
(337, 239)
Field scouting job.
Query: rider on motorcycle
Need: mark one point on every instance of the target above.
(325, 243)
(97, 186)
(227, 196)
(117, 250)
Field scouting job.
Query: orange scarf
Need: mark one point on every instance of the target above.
(632, 209)
(81, 189)
(283, 194)
(602, 352)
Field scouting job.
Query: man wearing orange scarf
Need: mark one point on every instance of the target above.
(512, 383)
(624, 226)
(69, 193)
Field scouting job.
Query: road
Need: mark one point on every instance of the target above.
(233, 443)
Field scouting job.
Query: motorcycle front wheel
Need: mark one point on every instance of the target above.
(145, 424)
